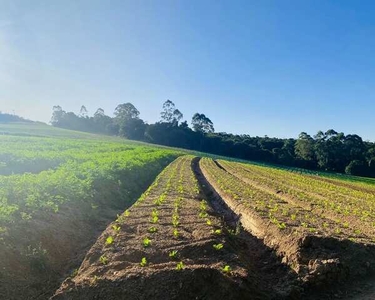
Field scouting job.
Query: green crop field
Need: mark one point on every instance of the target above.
(48, 173)
(68, 205)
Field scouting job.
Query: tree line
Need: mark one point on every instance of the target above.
(328, 151)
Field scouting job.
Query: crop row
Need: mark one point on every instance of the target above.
(342, 204)
(159, 227)
(117, 175)
(273, 209)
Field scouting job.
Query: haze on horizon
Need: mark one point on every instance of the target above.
(271, 68)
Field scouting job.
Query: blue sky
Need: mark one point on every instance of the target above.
(271, 68)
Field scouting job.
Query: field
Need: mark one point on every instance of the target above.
(57, 194)
(119, 219)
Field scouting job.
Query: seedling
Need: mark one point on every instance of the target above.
(176, 234)
(126, 213)
(173, 254)
(103, 259)
(109, 240)
(227, 269)
(143, 262)
(146, 242)
(175, 221)
(154, 219)
(217, 231)
(208, 222)
(203, 205)
(203, 214)
(218, 246)
(281, 225)
(180, 266)
(116, 228)
(152, 229)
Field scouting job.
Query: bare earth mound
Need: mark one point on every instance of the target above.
(185, 239)
(169, 245)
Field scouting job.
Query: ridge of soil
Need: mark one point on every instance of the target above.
(314, 209)
(257, 273)
(266, 262)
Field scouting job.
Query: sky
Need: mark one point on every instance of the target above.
(273, 68)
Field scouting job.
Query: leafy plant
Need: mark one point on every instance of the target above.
(218, 246)
(173, 254)
(103, 259)
(143, 262)
(180, 266)
(203, 214)
(109, 240)
(152, 229)
(227, 269)
(217, 231)
(146, 242)
(116, 228)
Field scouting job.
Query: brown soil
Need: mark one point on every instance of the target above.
(45, 250)
(265, 262)
(256, 272)
(366, 229)
(318, 260)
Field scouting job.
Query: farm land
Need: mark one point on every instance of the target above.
(115, 218)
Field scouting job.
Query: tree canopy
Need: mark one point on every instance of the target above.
(330, 151)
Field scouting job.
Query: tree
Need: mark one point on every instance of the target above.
(170, 114)
(128, 121)
(99, 113)
(202, 124)
(304, 147)
(133, 129)
(57, 115)
(126, 111)
(83, 112)
(357, 167)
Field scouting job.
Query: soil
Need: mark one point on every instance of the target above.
(319, 261)
(45, 250)
(256, 271)
(265, 262)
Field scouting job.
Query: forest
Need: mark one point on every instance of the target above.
(327, 151)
